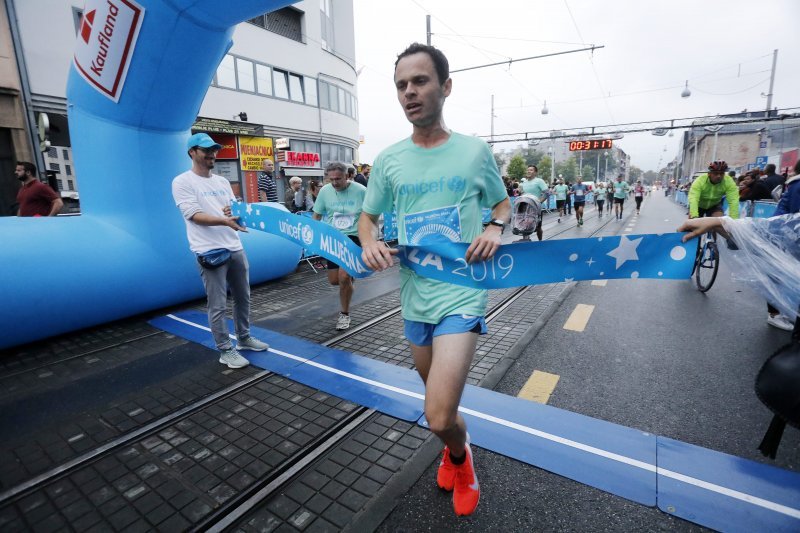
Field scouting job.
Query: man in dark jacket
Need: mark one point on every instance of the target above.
(771, 179)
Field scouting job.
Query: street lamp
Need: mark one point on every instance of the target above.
(544, 108)
(552, 164)
(686, 93)
(605, 171)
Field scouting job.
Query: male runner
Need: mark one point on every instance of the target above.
(638, 195)
(579, 199)
(621, 189)
(561, 197)
(340, 203)
(536, 187)
(438, 181)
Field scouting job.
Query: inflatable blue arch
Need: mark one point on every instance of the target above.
(128, 252)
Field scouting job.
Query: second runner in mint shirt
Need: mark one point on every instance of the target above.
(438, 194)
(536, 187)
(341, 209)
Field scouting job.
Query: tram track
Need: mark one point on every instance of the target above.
(264, 487)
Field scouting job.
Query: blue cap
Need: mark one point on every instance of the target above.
(203, 141)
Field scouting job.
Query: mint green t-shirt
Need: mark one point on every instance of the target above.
(437, 194)
(536, 187)
(341, 209)
(561, 192)
(621, 189)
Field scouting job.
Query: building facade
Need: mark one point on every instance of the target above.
(289, 79)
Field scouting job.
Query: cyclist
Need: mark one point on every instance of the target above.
(707, 191)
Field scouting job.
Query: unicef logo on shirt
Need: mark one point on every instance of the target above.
(307, 234)
(456, 184)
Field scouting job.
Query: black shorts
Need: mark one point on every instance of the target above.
(710, 211)
(576, 205)
(334, 266)
(619, 201)
(560, 204)
(638, 200)
(600, 202)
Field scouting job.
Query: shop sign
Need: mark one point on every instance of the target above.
(229, 149)
(254, 150)
(282, 144)
(108, 33)
(302, 159)
(215, 125)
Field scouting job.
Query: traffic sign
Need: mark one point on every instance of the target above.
(761, 161)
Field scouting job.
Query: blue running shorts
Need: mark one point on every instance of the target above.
(422, 333)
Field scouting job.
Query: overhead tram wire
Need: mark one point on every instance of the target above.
(712, 120)
(596, 76)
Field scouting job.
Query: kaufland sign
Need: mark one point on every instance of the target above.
(107, 37)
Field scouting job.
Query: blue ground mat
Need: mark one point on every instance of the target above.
(700, 485)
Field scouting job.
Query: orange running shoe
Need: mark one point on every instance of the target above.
(466, 491)
(446, 476)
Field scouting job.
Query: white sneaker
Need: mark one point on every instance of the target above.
(780, 322)
(232, 358)
(343, 322)
(251, 343)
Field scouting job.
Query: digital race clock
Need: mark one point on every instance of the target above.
(596, 144)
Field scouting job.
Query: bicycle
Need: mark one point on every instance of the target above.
(706, 261)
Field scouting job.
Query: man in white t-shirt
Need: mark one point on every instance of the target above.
(205, 203)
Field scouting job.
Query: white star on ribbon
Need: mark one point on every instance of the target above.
(590, 262)
(626, 251)
(249, 209)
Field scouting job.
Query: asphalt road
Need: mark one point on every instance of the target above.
(656, 355)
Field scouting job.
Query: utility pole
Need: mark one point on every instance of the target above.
(428, 23)
(771, 81)
(597, 175)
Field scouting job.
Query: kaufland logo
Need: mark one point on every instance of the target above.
(86, 25)
(106, 40)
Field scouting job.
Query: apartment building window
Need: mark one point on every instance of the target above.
(68, 169)
(70, 185)
(310, 85)
(226, 72)
(55, 167)
(336, 99)
(296, 88)
(326, 22)
(280, 83)
(263, 79)
(244, 73)
(65, 153)
(287, 22)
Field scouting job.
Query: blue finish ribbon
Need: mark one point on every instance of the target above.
(514, 265)
(315, 236)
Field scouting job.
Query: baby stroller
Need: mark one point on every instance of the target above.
(527, 215)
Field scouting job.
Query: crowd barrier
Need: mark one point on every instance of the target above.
(747, 208)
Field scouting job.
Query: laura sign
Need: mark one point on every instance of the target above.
(302, 159)
(109, 29)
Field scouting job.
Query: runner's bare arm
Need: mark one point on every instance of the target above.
(376, 254)
(486, 244)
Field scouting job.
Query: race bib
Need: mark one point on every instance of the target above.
(579, 194)
(436, 225)
(342, 221)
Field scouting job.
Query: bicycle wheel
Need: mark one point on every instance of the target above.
(706, 271)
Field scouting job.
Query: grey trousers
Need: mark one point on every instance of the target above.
(235, 274)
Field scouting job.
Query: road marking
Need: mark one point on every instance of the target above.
(579, 318)
(600, 282)
(539, 387)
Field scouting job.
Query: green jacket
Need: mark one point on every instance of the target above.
(703, 194)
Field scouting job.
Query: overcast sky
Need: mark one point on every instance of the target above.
(724, 48)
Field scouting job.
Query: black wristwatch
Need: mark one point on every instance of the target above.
(499, 223)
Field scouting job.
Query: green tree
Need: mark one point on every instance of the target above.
(635, 173)
(544, 165)
(517, 167)
(532, 156)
